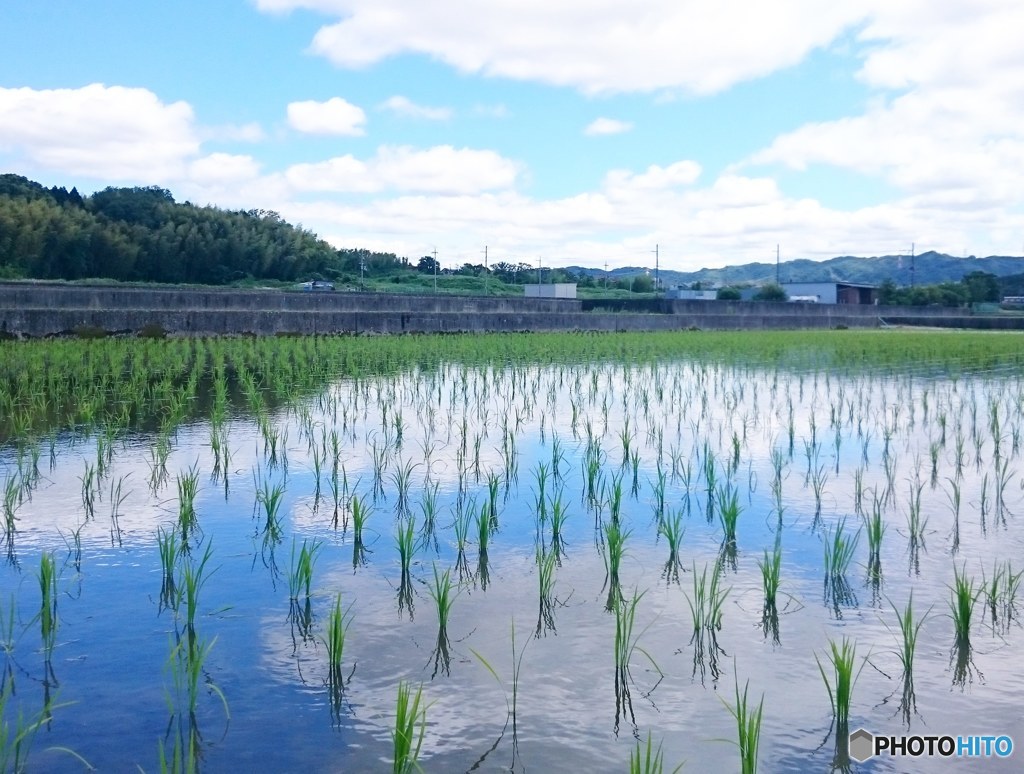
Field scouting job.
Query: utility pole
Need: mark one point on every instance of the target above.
(657, 269)
(539, 280)
(911, 264)
(435, 271)
(606, 275)
(777, 267)
(362, 269)
(486, 271)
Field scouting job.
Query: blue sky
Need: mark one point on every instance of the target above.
(582, 132)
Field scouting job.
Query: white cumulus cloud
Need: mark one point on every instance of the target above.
(335, 116)
(404, 106)
(592, 45)
(606, 126)
(105, 132)
(442, 169)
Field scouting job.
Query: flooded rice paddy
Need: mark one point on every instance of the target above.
(233, 554)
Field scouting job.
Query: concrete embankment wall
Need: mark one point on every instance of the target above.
(39, 309)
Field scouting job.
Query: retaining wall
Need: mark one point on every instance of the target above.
(38, 309)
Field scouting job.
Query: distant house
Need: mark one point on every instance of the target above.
(553, 290)
(831, 292)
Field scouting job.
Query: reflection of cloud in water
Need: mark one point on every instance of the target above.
(566, 691)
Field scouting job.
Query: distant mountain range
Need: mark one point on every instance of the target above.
(928, 268)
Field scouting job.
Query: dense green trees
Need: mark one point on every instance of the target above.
(143, 234)
(771, 292)
(975, 287)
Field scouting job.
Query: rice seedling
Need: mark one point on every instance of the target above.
(428, 508)
(706, 610)
(443, 593)
(270, 497)
(170, 552)
(493, 481)
(117, 498)
(48, 619)
(405, 540)
(615, 546)
(300, 575)
(634, 462)
(402, 478)
(557, 456)
(728, 512)
(338, 622)
(613, 497)
(410, 727)
(188, 488)
(917, 522)
(89, 493)
(748, 727)
(839, 550)
(909, 630)
(625, 645)
(646, 759)
(483, 533)
(559, 514)
(193, 578)
(659, 492)
(842, 657)
(771, 571)
(875, 528)
(546, 583)
(819, 477)
(461, 524)
(672, 528)
(963, 596)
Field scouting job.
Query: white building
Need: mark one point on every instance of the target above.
(553, 290)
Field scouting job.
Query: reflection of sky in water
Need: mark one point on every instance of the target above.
(113, 642)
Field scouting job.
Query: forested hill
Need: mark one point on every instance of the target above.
(142, 234)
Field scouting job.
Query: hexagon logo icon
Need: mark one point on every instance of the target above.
(862, 745)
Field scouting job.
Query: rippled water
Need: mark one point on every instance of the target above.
(108, 672)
